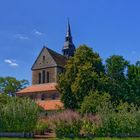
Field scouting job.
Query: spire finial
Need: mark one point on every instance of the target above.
(68, 29)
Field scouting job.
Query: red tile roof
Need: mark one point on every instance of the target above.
(39, 88)
(50, 104)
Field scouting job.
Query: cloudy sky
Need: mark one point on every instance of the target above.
(108, 26)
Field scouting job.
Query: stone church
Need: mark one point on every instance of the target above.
(45, 70)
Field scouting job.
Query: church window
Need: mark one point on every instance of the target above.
(43, 97)
(43, 58)
(43, 76)
(39, 78)
(48, 77)
(53, 96)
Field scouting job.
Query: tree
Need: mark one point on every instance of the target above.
(10, 85)
(133, 76)
(116, 68)
(82, 74)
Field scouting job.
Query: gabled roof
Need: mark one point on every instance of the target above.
(38, 88)
(58, 59)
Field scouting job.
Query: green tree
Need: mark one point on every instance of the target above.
(10, 85)
(116, 68)
(82, 74)
(133, 76)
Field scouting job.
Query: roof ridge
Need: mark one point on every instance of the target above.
(54, 52)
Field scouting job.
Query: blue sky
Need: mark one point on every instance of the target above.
(108, 26)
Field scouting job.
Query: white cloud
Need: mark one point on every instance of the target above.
(21, 37)
(38, 33)
(11, 62)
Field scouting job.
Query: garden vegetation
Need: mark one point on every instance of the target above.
(100, 99)
(106, 96)
(17, 115)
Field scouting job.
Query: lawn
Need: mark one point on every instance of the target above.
(73, 139)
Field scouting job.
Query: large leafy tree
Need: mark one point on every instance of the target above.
(116, 68)
(10, 85)
(82, 75)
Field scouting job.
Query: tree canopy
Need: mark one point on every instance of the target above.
(85, 74)
(82, 74)
(10, 85)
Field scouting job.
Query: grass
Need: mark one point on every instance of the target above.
(73, 139)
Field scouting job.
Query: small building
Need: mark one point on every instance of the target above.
(45, 70)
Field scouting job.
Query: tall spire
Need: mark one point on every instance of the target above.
(69, 48)
(68, 29)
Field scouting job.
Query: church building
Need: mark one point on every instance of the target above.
(45, 70)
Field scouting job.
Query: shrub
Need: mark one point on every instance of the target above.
(90, 124)
(18, 115)
(93, 101)
(66, 124)
(119, 122)
(41, 126)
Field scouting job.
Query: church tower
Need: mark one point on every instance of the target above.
(69, 48)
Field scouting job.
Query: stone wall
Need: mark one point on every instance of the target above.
(51, 95)
(52, 75)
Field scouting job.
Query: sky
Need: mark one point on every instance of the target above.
(108, 26)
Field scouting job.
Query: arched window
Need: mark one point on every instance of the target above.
(39, 78)
(43, 57)
(43, 76)
(48, 77)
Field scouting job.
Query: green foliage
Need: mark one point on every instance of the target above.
(18, 115)
(133, 87)
(11, 85)
(41, 127)
(82, 74)
(85, 72)
(4, 99)
(116, 67)
(123, 121)
(93, 102)
(90, 124)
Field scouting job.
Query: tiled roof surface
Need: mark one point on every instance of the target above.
(39, 88)
(50, 104)
(58, 58)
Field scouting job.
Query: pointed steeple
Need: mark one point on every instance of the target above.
(69, 48)
(68, 29)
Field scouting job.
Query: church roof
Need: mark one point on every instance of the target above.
(51, 104)
(38, 88)
(58, 58)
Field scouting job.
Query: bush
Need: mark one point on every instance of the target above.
(66, 124)
(123, 121)
(41, 127)
(18, 115)
(93, 101)
(90, 123)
